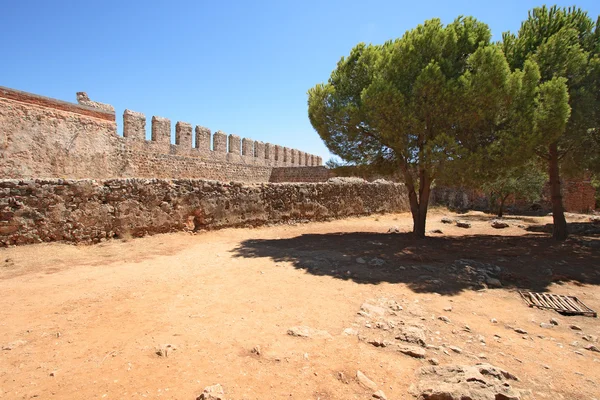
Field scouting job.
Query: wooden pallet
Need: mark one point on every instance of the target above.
(569, 305)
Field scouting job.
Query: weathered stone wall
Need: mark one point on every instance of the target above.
(47, 138)
(89, 211)
(578, 196)
(300, 174)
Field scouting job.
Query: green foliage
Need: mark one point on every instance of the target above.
(565, 45)
(524, 182)
(439, 99)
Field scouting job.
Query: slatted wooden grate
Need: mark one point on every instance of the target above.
(569, 305)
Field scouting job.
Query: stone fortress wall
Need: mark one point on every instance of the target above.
(48, 138)
(66, 175)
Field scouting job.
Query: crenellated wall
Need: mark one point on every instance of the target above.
(48, 138)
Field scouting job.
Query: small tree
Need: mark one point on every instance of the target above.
(439, 96)
(525, 183)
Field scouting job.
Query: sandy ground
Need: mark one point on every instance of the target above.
(85, 322)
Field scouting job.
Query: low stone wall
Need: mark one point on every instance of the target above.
(88, 211)
(578, 196)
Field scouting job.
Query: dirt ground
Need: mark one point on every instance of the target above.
(85, 322)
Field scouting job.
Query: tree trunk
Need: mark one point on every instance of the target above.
(501, 208)
(559, 228)
(419, 205)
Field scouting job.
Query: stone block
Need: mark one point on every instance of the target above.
(220, 142)
(161, 130)
(234, 144)
(202, 139)
(248, 147)
(134, 125)
(259, 150)
(183, 134)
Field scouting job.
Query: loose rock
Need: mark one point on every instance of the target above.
(379, 395)
(372, 309)
(214, 392)
(366, 382)
(14, 345)
(498, 224)
(458, 382)
(413, 351)
(463, 224)
(394, 229)
(308, 332)
(575, 327)
(593, 348)
(493, 282)
(447, 220)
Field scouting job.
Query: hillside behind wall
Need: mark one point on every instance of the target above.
(48, 138)
(90, 211)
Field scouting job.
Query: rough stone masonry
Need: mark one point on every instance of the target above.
(34, 211)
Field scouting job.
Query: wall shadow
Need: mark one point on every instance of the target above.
(446, 265)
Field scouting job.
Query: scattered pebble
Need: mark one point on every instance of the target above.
(575, 327)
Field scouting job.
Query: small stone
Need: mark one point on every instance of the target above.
(372, 310)
(575, 327)
(376, 262)
(361, 260)
(256, 350)
(14, 345)
(521, 331)
(165, 350)
(494, 321)
(493, 282)
(350, 332)
(342, 377)
(578, 352)
(590, 338)
(438, 231)
(554, 321)
(394, 229)
(447, 220)
(498, 224)
(433, 361)
(413, 351)
(379, 395)
(455, 349)
(448, 309)
(591, 347)
(308, 332)
(214, 392)
(444, 318)
(546, 326)
(463, 224)
(53, 373)
(366, 382)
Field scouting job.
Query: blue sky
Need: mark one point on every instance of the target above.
(240, 67)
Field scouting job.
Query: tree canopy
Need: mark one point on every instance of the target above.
(436, 98)
(564, 43)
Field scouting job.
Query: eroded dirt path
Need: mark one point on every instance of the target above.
(85, 322)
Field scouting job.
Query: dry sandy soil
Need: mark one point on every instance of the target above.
(85, 322)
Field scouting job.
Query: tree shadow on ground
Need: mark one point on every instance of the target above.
(443, 264)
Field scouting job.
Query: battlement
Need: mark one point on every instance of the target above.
(42, 137)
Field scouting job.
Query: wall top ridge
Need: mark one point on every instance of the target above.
(35, 99)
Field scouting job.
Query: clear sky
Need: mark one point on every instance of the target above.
(242, 67)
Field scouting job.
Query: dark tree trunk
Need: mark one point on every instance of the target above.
(419, 205)
(501, 207)
(559, 229)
